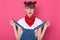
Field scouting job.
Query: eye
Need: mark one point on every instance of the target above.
(27, 8)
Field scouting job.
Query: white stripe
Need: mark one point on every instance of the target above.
(25, 25)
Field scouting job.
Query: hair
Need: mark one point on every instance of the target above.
(30, 4)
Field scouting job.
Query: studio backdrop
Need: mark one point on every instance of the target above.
(45, 10)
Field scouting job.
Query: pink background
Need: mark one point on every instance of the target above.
(45, 10)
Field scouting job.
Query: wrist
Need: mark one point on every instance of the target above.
(45, 27)
(14, 26)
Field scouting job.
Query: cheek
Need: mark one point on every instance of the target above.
(27, 11)
(32, 11)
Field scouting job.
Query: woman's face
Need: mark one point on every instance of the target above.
(29, 11)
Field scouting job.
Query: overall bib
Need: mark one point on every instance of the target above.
(28, 34)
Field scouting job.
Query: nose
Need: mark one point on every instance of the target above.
(29, 12)
(29, 8)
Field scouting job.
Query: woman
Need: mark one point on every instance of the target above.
(29, 22)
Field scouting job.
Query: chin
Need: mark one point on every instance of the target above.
(29, 16)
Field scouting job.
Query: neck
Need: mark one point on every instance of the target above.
(30, 16)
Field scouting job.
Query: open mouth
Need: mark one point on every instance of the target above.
(29, 12)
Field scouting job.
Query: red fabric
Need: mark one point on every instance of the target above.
(30, 21)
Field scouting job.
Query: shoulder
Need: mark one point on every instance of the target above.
(39, 20)
(36, 19)
(20, 20)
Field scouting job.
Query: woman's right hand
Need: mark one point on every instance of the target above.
(12, 23)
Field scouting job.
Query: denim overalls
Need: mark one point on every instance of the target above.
(28, 34)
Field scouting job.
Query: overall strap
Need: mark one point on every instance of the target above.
(40, 25)
(18, 24)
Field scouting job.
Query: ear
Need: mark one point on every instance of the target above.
(25, 2)
(34, 2)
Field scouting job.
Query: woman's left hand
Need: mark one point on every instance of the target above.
(47, 24)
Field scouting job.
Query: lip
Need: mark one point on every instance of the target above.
(29, 12)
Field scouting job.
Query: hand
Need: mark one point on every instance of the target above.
(12, 23)
(47, 24)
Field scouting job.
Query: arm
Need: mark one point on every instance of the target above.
(44, 29)
(14, 28)
(41, 34)
(38, 34)
(19, 32)
(16, 33)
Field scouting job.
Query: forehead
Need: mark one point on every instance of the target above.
(29, 7)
